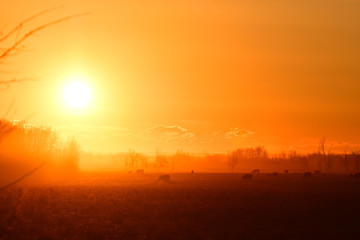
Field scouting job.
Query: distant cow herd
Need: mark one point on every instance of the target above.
(247, 176)
(275, 174)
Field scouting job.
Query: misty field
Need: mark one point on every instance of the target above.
(190, 206)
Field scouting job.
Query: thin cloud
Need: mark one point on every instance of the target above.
(238, 132)
(169, 134)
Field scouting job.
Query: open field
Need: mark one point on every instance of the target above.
(190, 206)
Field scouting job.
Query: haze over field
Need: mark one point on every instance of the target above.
(182, 119)
(203, 76)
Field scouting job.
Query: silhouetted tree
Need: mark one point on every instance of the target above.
(346, 161)
(322, 152)
(135, 160)
(325, 163)
(71, 150)
(234, 158)
(11, 43)
(130, 160)
(260, 153)
(160, 161)
(27, 139)
(356, 159)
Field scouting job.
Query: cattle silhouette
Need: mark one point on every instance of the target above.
(246, 177)
(164, 178)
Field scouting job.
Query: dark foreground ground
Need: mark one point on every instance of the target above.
(191, 206)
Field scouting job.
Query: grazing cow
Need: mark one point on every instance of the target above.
(286, 171)
(140, 171)
(318, 172)
(274, 174)
(307, 174)
(246, 177)
(256, 171)
(164, 178)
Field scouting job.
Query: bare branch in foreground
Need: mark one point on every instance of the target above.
(23, 177)
(9, 109)
(37, 29)
(21, 24)
(11, 81)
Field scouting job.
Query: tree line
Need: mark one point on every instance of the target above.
(324, 160)
(22, 143)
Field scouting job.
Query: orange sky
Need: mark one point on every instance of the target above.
(202, 76)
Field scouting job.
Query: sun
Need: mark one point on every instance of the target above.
(77, 94)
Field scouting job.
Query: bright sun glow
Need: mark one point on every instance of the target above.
(77, 94)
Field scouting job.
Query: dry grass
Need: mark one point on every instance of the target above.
(190, 206)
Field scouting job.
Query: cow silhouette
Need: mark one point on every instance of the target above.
(256, 171)
(164, 178)
(246, 177)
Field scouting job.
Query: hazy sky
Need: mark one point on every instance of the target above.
(202, 76)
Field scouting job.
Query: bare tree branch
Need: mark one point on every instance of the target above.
(21, 24)
(33, 31)
(7, 82)
(9, 109)
(322, 145)
(23, 177)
